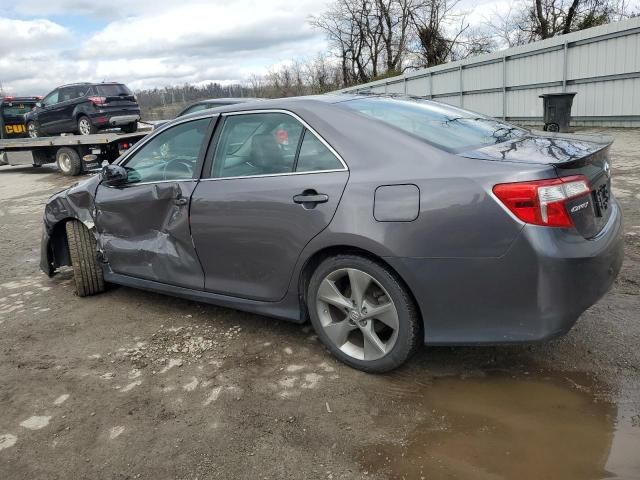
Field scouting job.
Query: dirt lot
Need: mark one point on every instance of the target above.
(130, 384)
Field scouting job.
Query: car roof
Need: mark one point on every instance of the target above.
(228, 99)
(77, 84)
(284, 103)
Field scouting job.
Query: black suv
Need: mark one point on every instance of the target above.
(84, 108)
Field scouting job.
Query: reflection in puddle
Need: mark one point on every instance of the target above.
(502, 427)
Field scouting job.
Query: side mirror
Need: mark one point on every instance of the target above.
(39, 104)
(114, 175)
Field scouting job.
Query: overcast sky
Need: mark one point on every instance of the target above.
(152, 43)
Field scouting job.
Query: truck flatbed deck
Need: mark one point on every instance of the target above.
(74, 154)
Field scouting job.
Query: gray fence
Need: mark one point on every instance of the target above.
(601, 64)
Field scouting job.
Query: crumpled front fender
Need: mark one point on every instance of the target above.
(77, 203)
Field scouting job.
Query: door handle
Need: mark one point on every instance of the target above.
(311, 197)
(181, 201)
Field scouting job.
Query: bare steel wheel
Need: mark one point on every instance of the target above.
(32, 129)
(363, 313)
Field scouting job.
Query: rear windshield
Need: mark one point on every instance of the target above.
(450, 128)
(112, 90)
(13, 110)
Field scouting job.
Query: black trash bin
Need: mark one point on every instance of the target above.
(557, 111)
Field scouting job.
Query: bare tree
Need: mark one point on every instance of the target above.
(438, 25)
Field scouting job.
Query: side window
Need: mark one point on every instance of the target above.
(315, 156)
(51, 98)
(257, 144)
(171, 155)
(66, 94)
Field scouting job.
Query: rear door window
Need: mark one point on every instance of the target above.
(257, 144)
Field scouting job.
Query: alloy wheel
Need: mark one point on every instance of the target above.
(32, 130)
(84, 126)
(357, 314)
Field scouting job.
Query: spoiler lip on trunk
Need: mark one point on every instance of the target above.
(543, 148)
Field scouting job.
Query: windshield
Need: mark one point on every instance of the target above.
(450, 128)
(13, 110)
(112, 90)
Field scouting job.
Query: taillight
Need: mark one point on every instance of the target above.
(543, 202)
(98, 101)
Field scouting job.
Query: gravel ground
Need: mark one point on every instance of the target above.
(130, 384)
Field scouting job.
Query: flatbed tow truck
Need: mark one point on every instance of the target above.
(74, 154)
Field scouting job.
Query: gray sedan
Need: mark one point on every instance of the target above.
(388, 222)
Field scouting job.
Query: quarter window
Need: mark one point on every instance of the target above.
(315, 156)
(171, 155)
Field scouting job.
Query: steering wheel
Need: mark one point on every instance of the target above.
(178, 168)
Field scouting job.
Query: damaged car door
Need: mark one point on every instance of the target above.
(143, 224)
(269, 186)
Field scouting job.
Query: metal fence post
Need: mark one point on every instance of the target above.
(460, 86)
(504, 87)
(564, 66)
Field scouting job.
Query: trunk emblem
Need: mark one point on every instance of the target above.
(607, 169)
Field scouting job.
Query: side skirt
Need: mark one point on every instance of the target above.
(285, 309)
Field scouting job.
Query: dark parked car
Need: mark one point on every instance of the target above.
(84, 108)
(213, 103)
(388, 222)
(12, 115)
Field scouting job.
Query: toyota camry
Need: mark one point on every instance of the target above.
(388, 222)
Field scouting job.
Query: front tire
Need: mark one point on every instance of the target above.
(32, 129)
(87, 272)
(363, 313)
(68, 161)
(85, 127)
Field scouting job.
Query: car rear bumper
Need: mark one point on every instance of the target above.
(104, 119)
(123, 120)
(537, 290)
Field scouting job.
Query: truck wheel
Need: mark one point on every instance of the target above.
(85, 127)
(130, 128)
(32, 129)
(87, 272)
(68, 161)
(552, 127)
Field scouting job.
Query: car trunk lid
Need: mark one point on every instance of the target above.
(569, 155)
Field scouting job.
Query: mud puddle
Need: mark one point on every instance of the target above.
(503, 427)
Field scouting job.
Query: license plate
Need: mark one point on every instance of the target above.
(602, 198)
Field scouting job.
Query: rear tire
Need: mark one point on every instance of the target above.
(85, 127)
(363, 313)
(87, 271)
(68, 161)
(130, 128)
